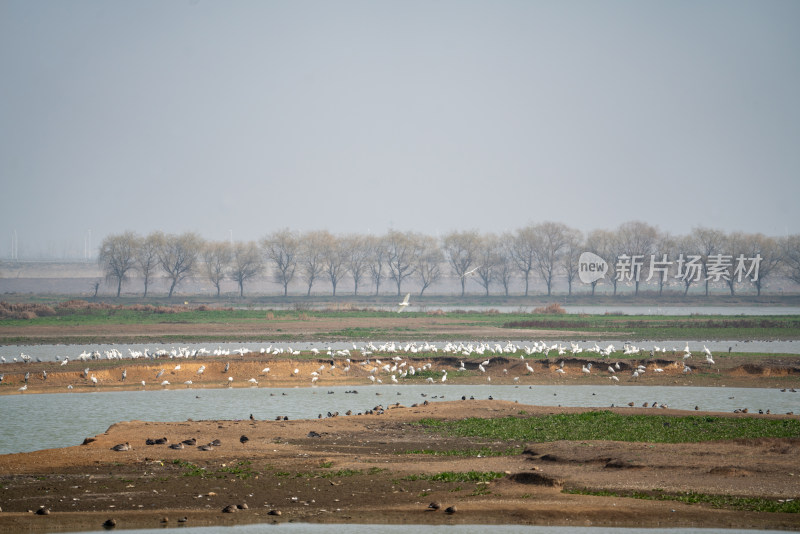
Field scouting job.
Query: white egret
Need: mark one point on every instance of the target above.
(404, 304)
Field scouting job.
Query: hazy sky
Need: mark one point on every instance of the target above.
(431, 116)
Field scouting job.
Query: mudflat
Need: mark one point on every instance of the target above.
(381, 467)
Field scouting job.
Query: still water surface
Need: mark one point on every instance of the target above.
(43, 421)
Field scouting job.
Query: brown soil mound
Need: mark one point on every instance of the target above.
(378, 468)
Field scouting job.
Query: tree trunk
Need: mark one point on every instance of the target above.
(119, 286)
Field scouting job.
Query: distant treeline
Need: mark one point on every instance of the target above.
(545, 254)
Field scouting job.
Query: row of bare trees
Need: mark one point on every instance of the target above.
(547, 251)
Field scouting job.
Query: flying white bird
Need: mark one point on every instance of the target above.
(404, 304)
(469, 272)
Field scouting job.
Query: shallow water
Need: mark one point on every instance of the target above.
(41, 421)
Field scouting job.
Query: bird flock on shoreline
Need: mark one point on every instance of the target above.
(402, 360)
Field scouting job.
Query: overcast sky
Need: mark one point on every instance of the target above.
(429, 116)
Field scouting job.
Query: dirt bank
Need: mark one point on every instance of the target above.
(363, 468)
(264, 370)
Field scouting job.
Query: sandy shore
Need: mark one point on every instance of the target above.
(364, 469)
(369, 468)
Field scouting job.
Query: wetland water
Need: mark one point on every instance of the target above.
(42, 421)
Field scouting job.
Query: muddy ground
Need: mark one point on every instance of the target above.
(366, 468)
(363, 468)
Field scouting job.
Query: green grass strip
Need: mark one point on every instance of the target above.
(452, 476)
(605, 425)
(752, 504)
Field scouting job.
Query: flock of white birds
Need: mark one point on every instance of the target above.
(397, 365)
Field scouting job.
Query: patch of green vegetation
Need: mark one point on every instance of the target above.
(164, 311)
(667, 327)
(359, 333)
(424, 375)
(241, 470)
(452, 476)
(605, 425)
(469, 453)
(343, 473)
(326, 465)
(752, 504)
(190, 469)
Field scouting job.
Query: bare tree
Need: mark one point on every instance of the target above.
(688, 268)
(504, 268)
(377, 258)
(791, 258)
(523, 252)
(335, 260)
(487, 260)
(429, 263)
(573, 249)
(402, 250)
(147, 257)
(246, 264)
(637, 241)
(356, 251)
(768, 252)
(665, 247)
(117, 257)
(605, 244)
(461, 251)
(282, 248)
(216, 261)
(177, 257)
(312, 256)
(710, 243)
(550, 239)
